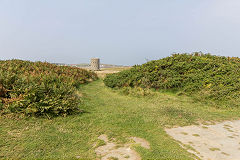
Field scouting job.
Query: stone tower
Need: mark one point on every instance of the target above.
(95, 64)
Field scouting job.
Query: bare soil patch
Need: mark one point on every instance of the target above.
(111, 150)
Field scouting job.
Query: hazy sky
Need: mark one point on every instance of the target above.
(117, 31)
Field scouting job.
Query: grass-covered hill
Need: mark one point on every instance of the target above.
(205, 75)
(40, 88)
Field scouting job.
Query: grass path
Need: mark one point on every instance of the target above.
(114, 114)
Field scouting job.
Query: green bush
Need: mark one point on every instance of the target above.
(40, 89)
(205, 75)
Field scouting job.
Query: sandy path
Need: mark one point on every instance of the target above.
(103, 73)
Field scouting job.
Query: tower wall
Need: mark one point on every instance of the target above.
(95, 64)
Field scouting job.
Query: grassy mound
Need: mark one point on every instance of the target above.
(205, 75)
(37, 88)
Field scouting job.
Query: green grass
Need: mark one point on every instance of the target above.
(109, 112)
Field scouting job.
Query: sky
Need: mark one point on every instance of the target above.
(123, 32)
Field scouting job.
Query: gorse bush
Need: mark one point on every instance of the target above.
(37, 88)
(205, 75)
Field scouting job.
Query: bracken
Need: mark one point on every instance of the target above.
(40, 88)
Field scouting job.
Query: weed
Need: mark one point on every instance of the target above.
(196, 135)
(214, 149)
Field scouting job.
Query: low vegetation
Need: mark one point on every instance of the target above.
(115, 114)
(37, 88)
(207, 76)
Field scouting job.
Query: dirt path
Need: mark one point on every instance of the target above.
(216, 142)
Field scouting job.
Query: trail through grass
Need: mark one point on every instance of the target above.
(112, 113)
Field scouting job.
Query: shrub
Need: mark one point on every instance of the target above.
(205, 75)
(40, 88)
